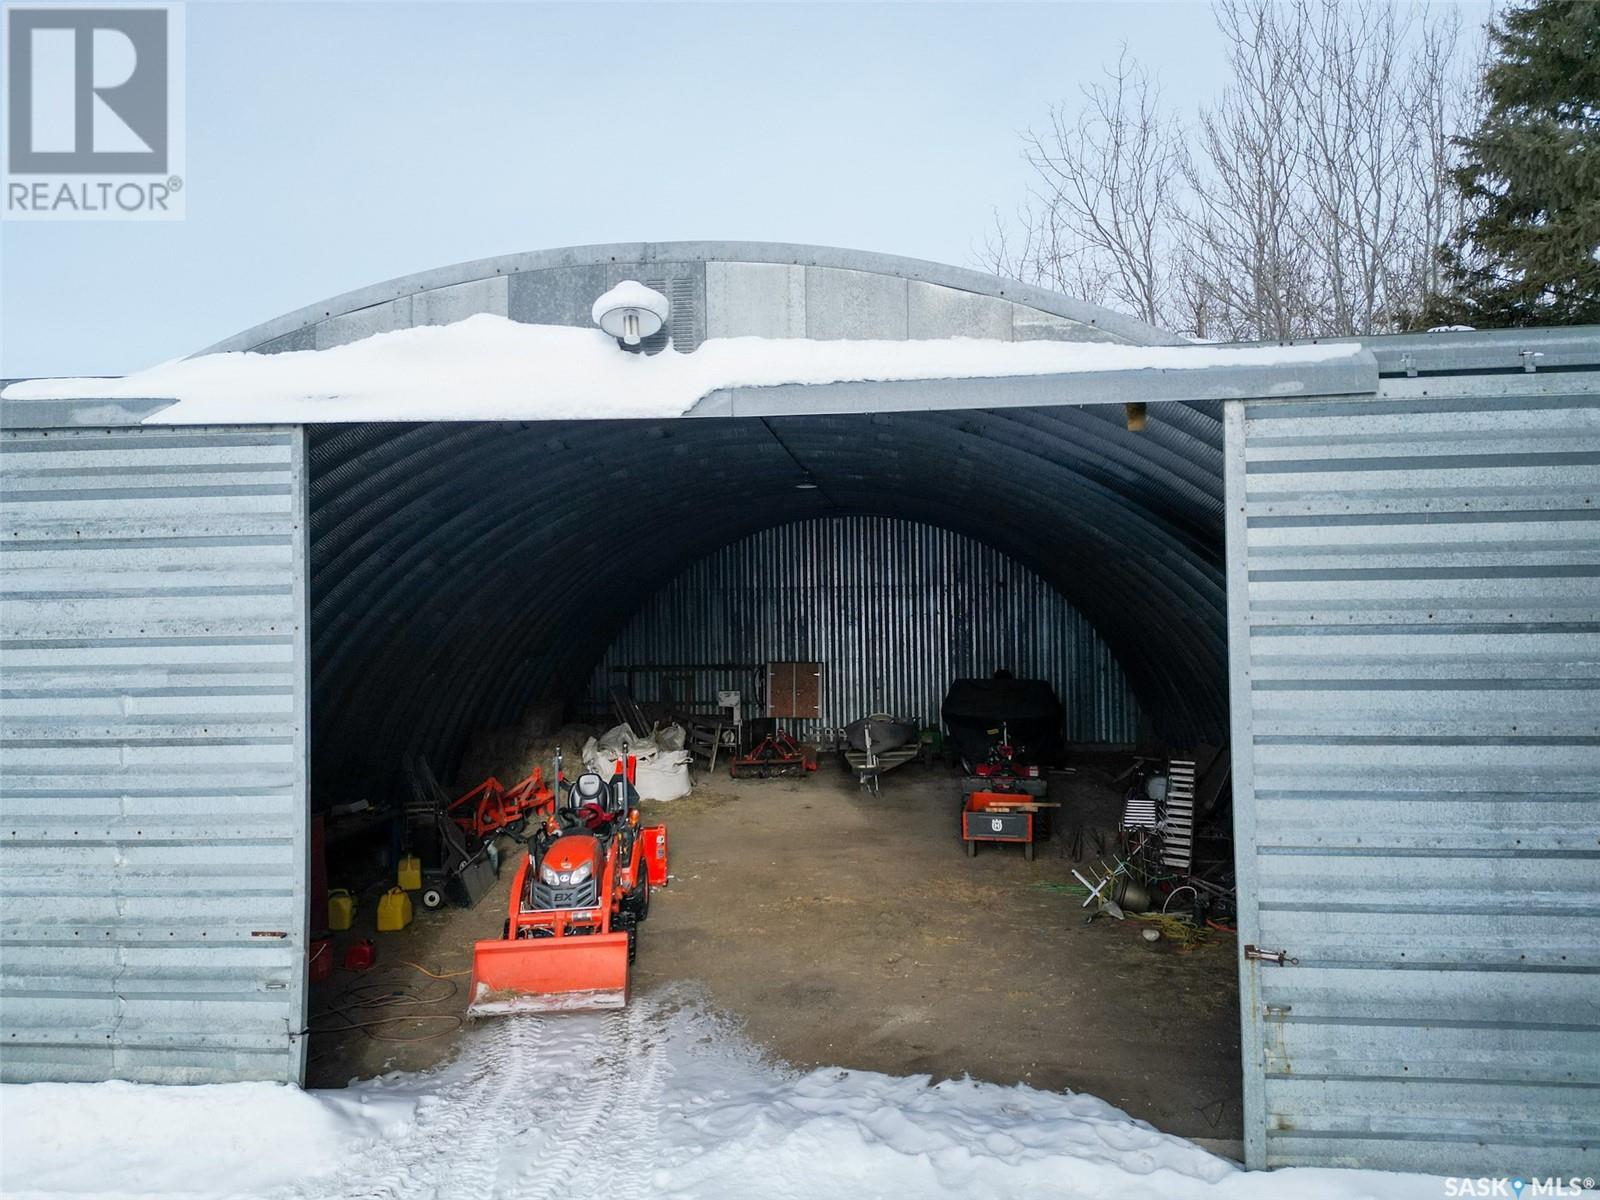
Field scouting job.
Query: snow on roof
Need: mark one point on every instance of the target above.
(630, 293)
(490, 368)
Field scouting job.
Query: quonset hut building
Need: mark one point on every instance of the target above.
(1375, 571)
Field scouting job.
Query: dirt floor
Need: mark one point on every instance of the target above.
(852, 930)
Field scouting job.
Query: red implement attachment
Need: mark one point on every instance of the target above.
(654, 838)
(491, 806)
(776, 754)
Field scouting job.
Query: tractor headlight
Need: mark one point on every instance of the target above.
(557, 878)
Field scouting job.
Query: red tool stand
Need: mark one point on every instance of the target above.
(998, 817)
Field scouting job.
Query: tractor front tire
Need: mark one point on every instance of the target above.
(1027, 851)
(636, 904)
(972, 849)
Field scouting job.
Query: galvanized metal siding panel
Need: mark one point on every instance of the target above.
(546, 286)
(1415, 607)
(893, 609)
(153, 730)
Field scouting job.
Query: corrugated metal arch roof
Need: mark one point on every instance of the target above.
(461, 570)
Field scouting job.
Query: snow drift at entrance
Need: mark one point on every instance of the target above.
(137, 1139)
(661, 1100)
(489, 368)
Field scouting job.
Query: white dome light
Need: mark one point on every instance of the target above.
(630, 312)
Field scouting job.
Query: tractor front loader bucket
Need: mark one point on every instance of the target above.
(549, 974)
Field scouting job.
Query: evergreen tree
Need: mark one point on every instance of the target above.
(1529, 253)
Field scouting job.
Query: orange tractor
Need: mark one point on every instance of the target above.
(576, 904)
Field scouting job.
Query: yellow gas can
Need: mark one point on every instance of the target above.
(411, 873)
(341, 908)
(394, 911)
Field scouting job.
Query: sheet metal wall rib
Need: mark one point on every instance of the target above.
(153, 724)
(1416, 586)
(462, 571)
(893, 609)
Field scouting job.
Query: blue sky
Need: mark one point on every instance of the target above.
(336, 145)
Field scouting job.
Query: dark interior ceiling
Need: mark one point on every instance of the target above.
(462, 570)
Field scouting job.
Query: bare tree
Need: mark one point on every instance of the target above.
(1244, 227)
(1375, 115)
(1037, 248)
(1443, 107)
(1308, 199)
(1103, 207)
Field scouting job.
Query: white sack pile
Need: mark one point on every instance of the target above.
(663, 769)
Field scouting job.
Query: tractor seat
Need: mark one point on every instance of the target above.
(595, 803)
(589, 788)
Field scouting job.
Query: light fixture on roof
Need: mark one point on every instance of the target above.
(630, 312)
(806, 484)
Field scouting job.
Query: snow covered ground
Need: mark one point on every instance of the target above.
(663, 1099)
(489, 368)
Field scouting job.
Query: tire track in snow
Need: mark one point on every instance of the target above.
(636, 1113)
(495, 1115)
(578, 1134)
(453, 1145)
(566, 1106)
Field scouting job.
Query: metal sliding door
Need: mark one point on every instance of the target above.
(152, 754)
(1414, 595)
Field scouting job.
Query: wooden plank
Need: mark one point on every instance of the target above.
(1016, 807)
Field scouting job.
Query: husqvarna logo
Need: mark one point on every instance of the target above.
(93, 119)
